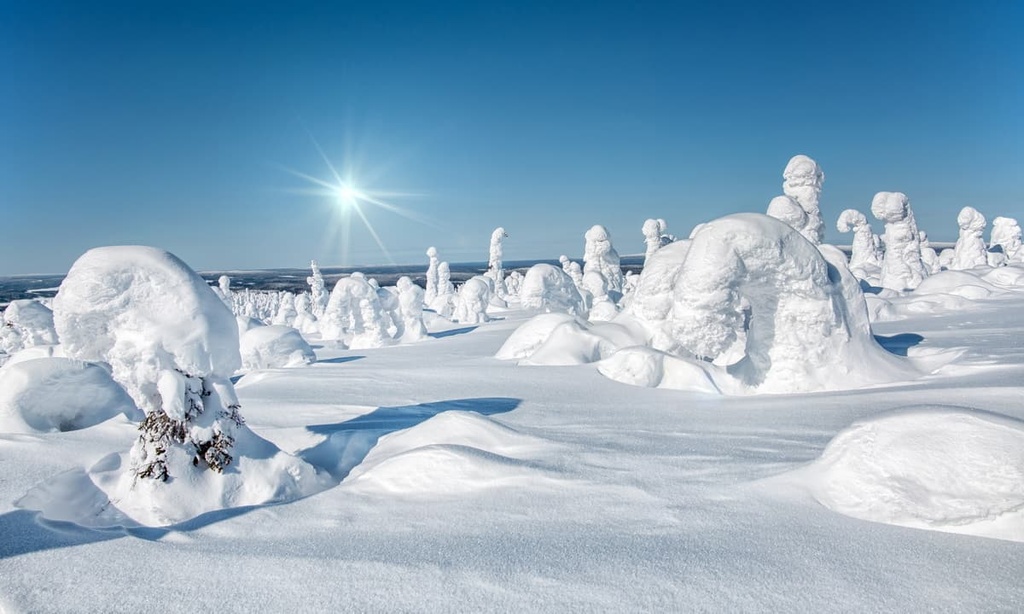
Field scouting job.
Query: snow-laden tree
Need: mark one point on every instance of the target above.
(224, 290)
(286, 312)
(26, 323)
(786, 209)
(354, 315)
(902, 268)
(802, 181)
(305, 322)
(1006, 234)
(600, 306)
(573, 270)
(600, 257)
(432, 282)
(866, 255)
(653, 230)
(929, 256)
(410, 300)
(444, 303)
(317, 290)
(970, 250)
(514, 283)
(547, 288)
(472, 301)
(495, 267)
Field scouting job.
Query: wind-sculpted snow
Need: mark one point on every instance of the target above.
(1006, 234)
(786, 209)
(272, 347)
(743, 279)
(547, 288)
(600, 257)
(902, 267)
(941, 468)
(58, 394)
(970, 248)
(473, 298)
(354, 315)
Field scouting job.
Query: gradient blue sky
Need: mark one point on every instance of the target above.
(170, 124)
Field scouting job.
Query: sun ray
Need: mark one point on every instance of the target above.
(373, 232)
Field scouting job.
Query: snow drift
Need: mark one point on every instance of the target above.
(271, 347)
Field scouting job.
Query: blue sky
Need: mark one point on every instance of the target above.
(173, 124)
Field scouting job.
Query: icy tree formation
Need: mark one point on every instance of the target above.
(410, 301)
(355, 315)
(444, 303)
(548, 288)
(929, 257)
(1006, 234)
(26, 323)
(970, 247)
(170, 342)
(471, 303)
(802, 181)
(318, 291)
(599, 256)
(573, 270)
(494, 264)
(431, 290)
(902, 268)
(786, 209)
(653, 230)
(865, 248)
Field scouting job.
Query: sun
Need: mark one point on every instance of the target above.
(348, 196)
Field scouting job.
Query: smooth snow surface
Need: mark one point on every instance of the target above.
(269, 347)
(942, 468)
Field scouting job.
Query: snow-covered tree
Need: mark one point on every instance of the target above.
(786, 209)
(929, 256)
(970, 248)
(473, 298)
(26, 323)
(1006, 234)
(802, 181)
(410, 300)
(902, 268)
(286, 312)
(318, 290)
(866, 256)
(600, 257)
(275, 347)
(653, 230)
(354, 314)
(432, 282)
(305, 322)
(599, 304)
(514, 283)
(573, 270)
(547, 288)
(495, 266)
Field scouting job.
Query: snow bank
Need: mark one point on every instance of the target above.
(272, 347)
(59, 394)
(941, 468)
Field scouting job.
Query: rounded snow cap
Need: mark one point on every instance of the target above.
(432, 252)
(651, 228)
(851, 219)
(786, 209)
(971, 219)
(890, 206)
(597, 232)
(803, 171)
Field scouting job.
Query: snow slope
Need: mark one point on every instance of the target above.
(468, 483)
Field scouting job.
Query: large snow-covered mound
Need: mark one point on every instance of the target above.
(453, 452)
(58, 394)
(549, 288)
(942, 468)
(127, 304)
(31, 321)
(271, 347)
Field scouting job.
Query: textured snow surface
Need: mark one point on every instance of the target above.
(269, 347)
(943, 468)
(466, 483)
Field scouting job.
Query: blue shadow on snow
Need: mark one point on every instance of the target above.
(340, 360)
(451, 333)
(899, 344)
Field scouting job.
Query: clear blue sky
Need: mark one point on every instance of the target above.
(170, 123)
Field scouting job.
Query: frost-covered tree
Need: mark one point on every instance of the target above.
(547, 288)
(970, 250)
(600, 257)
(599, 304)
(802, 181)
(354, 314)
(410, 300)
(286, 312)
(495, 266)
(1006, 234)
(317, 289)
(929, 256)
(305, 322)
(223, 290)
(26, 323)
(170, 342)
(653, 230)
(786, 209)
(865, 254)
(902, 268)
(473, 298)
(514, 283)
(444, 303)
(573, 270)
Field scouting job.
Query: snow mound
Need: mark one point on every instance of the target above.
(32, 320)
(549, 288)
(560, 339)
(272, 347)
(453, 452)
(957, 283)
(525, 340)
(58, 394)
(647, 367)
(109, 494)
(941, 468)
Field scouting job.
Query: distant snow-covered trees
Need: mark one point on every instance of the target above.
(902, 267)
(802, 181)
(600, 257)
(970, 250)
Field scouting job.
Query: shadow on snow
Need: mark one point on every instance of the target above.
(899, 344)
(451, 333)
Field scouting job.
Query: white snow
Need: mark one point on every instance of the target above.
(970, 248)
(802, 181)
(272, 347)
(547, 288)
(902, 267)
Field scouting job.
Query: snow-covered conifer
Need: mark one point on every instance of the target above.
(929, 256)
(354, 314)
(865, 254)
(802, 181)
(902, 268)
(1006, 234)
(495, 266)
(599, 256)
(970, 248)
(317, 289)
(430, 293)
(473, 298)
(410, 300)
(786, 209)
(547, 288)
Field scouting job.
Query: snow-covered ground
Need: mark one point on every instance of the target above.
(460, 482)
